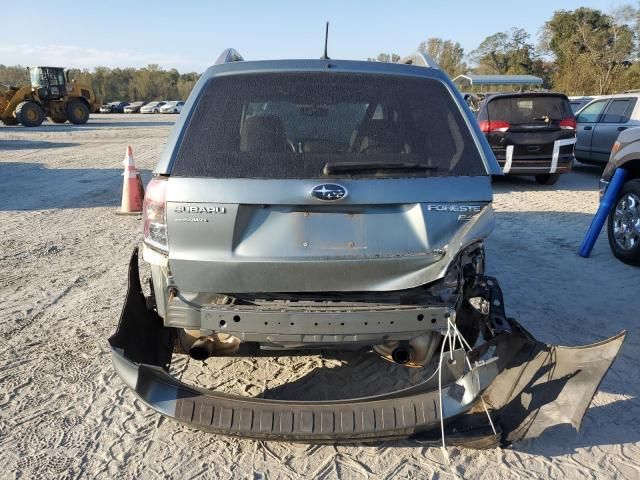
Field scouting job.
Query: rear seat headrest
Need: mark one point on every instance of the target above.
(263, 133)
(378, 136)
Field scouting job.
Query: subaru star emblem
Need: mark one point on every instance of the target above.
(329, 192)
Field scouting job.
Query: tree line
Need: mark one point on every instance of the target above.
(578, 52)
(126, 84)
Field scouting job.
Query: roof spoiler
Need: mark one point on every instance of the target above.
(229, 55)
(419, 60)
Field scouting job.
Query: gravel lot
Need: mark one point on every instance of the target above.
(63, 255)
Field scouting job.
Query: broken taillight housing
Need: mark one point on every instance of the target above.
(154, 215)
(568, 123)
(488, 126)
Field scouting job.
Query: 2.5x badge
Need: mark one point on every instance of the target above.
(466, 212)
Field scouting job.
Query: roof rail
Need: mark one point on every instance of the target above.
(229, 55)
(419, 60)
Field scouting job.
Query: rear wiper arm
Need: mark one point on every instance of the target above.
(332, 168)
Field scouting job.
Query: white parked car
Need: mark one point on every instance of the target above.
(172, 107)
(152, 107)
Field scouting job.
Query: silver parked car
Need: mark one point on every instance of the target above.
(601, 121)
(326, 204)
(152, 107)
(172, 107)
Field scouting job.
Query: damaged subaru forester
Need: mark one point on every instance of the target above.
(330, 204)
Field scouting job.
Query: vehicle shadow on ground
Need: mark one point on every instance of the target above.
(611, 424)
(32, 186)
(65, 127)
(601, 426)
(22, 144)
(348, 379)
(129, 124)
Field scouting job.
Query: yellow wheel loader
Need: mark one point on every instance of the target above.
(50, 94)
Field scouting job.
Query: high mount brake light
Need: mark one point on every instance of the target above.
(568, 123)
(488, 126)
(154, 215)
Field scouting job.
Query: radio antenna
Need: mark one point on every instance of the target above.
(326, 38)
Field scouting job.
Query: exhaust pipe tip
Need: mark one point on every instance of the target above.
(199, 353)
(201, 349)
(403, 355)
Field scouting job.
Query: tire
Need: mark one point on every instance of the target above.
(29, 114)
(624, 220)
(77, 112)
(9, 121)
(58, 117)
(547, 178)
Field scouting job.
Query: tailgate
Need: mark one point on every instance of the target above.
(384, 235)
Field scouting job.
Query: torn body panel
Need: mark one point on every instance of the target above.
(548, 385)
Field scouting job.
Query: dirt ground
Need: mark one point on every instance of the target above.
(63, 254)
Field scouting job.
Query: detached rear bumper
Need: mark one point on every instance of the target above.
(373, 418)
(142, 349)
(141, 352)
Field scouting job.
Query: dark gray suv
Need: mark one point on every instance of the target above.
(322, 204)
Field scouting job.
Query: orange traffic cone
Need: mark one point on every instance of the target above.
(132, 189)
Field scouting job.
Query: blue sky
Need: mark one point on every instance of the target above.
(189, 35)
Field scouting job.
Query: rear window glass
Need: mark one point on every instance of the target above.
(291, 125)
(528, 110)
